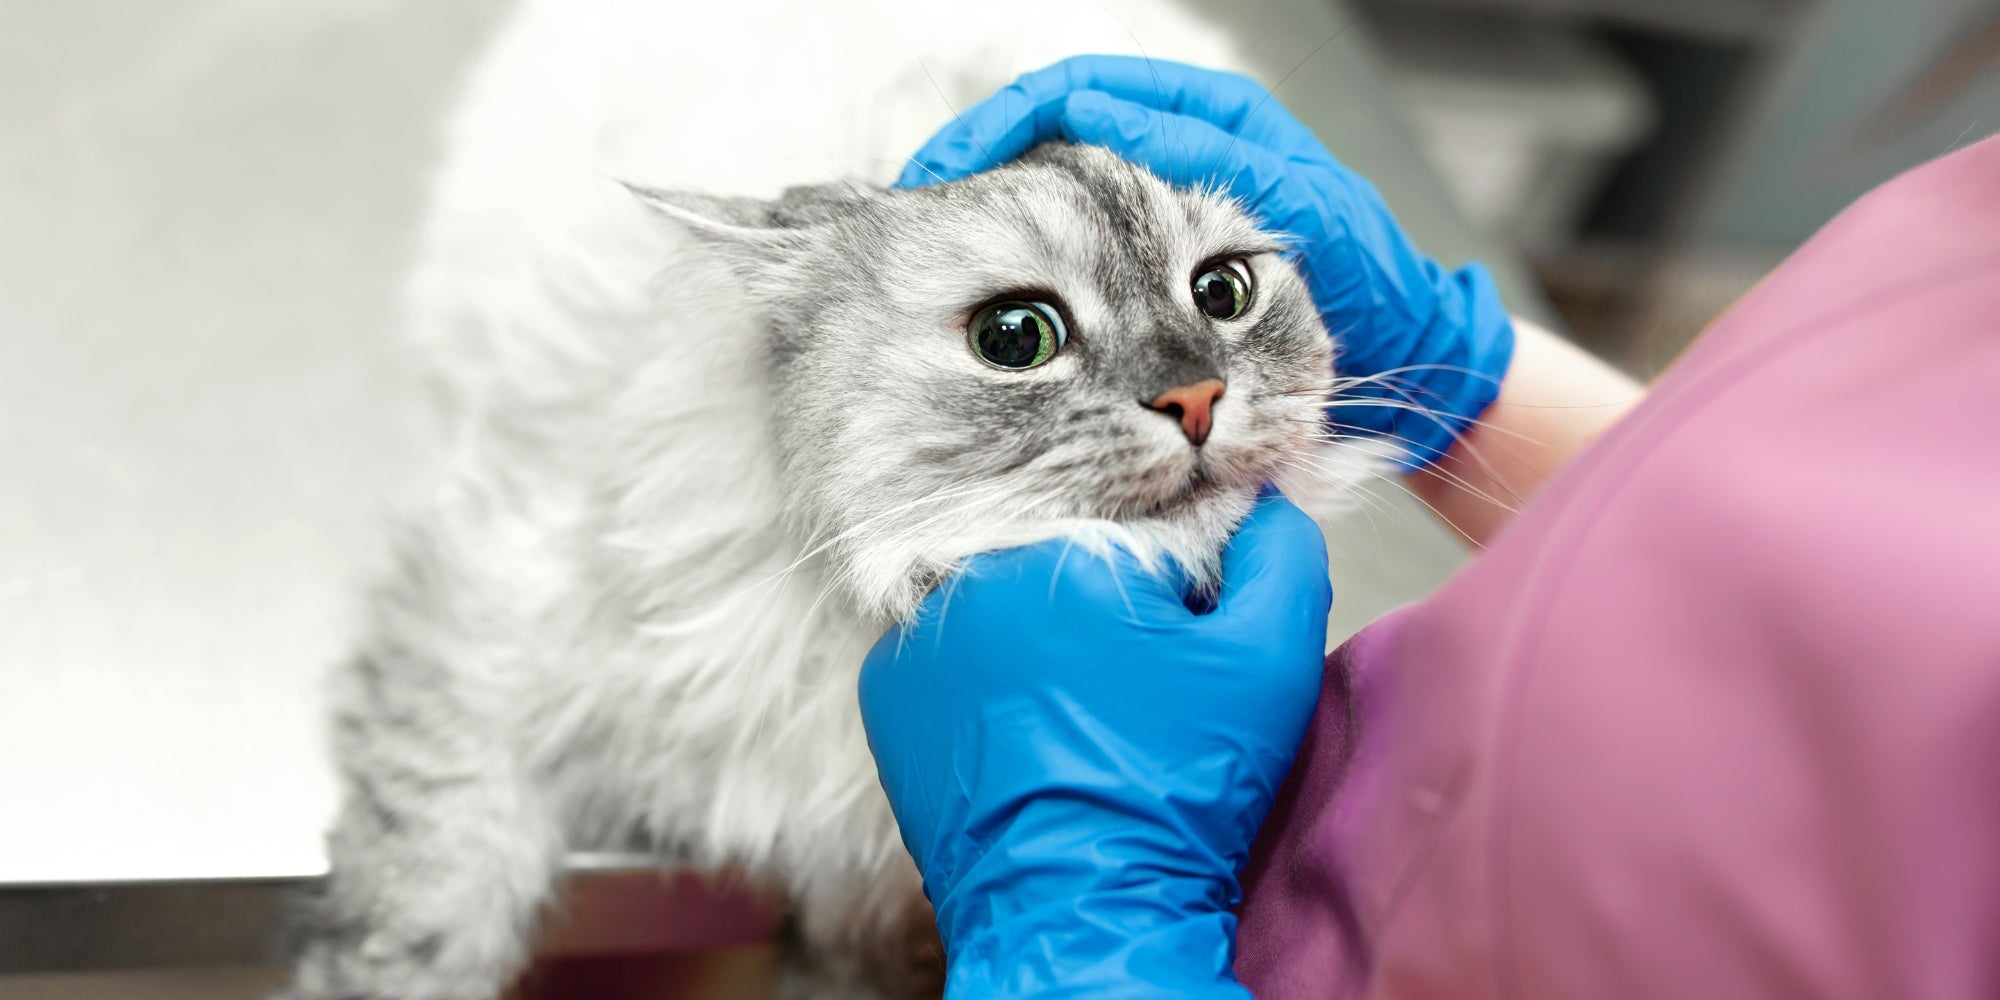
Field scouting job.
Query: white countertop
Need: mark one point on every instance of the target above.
(203, 209)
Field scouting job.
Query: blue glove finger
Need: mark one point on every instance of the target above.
(1274, 565)
(990, 133)
(1186, 151)
(1066, 576)
(1231, 102)
(1025, 113)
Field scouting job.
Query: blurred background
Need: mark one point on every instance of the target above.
(1651, 159)
(205, 210)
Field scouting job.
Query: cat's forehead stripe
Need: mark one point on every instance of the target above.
(1115, 243)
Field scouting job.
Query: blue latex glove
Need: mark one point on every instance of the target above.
(1079, 763)
(1422, 349)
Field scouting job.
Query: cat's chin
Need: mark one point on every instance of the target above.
(1199, 522)
(1182, 481)
(888, 578)
(1187, 497)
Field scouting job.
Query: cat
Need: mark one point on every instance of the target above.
(706, 448)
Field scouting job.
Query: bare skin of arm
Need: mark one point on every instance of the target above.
(1555, 399)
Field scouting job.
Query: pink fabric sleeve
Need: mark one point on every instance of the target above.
(1719, 715)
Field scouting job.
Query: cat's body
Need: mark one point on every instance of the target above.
(704, 451)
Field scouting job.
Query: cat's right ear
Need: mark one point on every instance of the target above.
(735, 231)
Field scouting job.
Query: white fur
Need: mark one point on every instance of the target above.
(535, 266)
(614, 633)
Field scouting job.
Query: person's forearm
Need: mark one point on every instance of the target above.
(1555, 399)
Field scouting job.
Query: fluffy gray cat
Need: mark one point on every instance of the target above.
(634, 615)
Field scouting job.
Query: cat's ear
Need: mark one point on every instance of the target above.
(761, 243)
(742, 231)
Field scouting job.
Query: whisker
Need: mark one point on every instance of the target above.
(779, 579)
(872, 519)
(1392, 404)
(1453, 479)
(1272, 91)
(1159, 83)
(955, 116)
(1347, 487)
(926, 168)
(1336, 479)
(1427, 505)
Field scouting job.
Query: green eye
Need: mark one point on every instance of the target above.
(1017, 335)
(1223, 291)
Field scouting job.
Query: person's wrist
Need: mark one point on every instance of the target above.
(1131, 942)
(1097, 904)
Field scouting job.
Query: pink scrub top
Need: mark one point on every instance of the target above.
(1719, 715)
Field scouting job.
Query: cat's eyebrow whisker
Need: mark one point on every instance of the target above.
(926, 168)
(1159, 85)
(955, 116)
(1272, 91)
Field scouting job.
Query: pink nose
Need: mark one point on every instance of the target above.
(1190, 404)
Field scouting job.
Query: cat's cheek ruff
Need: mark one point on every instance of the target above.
(890, 577)
(890, 572)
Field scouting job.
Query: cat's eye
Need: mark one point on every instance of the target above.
(1017, 335)
(1223, 291)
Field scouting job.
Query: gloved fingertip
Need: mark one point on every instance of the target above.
(1161, 575)
(1276, 516)
(1148, 585)
(1278, 548)
(1179, 578)
(1097, 118)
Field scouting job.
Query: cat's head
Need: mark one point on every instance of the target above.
(1061, 346)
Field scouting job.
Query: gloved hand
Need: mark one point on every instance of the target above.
(1079, 763)
(1421, 349)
